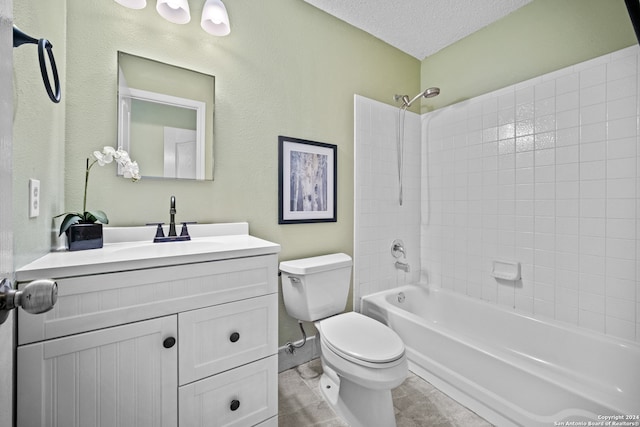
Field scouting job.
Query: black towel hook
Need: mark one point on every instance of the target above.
(20, 38)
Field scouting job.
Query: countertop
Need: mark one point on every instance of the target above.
(209, 242)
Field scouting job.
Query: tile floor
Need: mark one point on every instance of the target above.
(417, 403)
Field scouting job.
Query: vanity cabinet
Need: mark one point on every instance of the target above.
(190, 344)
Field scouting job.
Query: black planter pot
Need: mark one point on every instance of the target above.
(84, 236)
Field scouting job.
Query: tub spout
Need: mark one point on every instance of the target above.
(402, 266)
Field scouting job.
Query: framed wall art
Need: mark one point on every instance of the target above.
(307, 181)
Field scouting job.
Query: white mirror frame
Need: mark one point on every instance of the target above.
(125, 95)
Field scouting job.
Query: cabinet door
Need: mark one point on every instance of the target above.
(121, 376)
(224, 336)
(241, 397)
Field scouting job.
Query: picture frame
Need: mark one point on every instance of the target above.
(307, 181)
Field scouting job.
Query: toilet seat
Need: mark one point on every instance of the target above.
(361, 339)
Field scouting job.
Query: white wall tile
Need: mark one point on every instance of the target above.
(379, 219)
(622, 128)
(621, 148)
(593, 76)
(593, 94)
(622, 88)
(555, 184)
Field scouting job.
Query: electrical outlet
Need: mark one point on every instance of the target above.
(34, 198)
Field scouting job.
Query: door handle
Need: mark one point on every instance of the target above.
(37, 297)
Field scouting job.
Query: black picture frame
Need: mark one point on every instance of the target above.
(307, 181)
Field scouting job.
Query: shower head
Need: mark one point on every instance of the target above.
(406, 102)
(431, 92)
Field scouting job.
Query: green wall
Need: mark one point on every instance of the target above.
(38, 129)
(543, 36)
(286, 69)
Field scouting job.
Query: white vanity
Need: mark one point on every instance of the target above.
(154, 334)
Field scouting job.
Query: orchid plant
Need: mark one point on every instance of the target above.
(107, 155)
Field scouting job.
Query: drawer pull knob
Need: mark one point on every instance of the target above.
(169, 342)
(234, 337)
(235, 404)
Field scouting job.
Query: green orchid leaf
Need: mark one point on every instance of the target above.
(68, 213)
(68, 221)
(98, 216)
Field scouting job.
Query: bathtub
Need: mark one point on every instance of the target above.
(510, 368)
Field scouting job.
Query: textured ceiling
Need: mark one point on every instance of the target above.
(419, 27)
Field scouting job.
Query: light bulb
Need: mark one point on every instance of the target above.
(215, 19)
(176, 11)
(133, 4)
(217, 15)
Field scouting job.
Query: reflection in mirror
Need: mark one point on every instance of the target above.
(165, 118)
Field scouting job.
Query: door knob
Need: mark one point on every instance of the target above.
(37, 297)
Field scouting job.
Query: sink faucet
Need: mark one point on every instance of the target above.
(172, 236)
(172, 215)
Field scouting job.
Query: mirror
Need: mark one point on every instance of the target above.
(165, 118)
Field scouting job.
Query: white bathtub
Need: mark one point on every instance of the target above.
(510, 368)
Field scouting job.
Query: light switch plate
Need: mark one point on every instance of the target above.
(34, 198)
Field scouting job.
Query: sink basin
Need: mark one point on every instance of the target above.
(169, 248)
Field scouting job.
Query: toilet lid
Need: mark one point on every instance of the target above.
(361, 337)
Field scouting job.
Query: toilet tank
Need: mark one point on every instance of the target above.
(317, 287)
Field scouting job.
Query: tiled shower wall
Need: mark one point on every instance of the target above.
(379, 218)
(546, 173)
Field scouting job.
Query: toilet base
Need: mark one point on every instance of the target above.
(358, 406)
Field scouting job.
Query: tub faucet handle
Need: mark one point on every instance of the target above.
(397, 249)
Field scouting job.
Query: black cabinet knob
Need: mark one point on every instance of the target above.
(235, 404)
(169, 342)
(234, 337)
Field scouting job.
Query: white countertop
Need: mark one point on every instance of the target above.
(209, 242)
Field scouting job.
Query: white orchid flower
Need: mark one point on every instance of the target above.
(107, 155)
(102, 160)
(131, 170)
(103, 157)
(121, 155)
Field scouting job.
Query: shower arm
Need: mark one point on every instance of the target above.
(408, 104)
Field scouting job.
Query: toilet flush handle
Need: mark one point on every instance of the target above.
(295, 280)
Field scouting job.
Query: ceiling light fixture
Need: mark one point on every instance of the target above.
(133, 4)
(176, 11)
(215, 19)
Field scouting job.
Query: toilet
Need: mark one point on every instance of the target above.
(362, 359)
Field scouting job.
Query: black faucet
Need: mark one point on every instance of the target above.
(173, 236)
(172, 215)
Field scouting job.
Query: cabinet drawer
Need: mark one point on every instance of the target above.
(218, 338)
(244, 396)
(94, 302)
